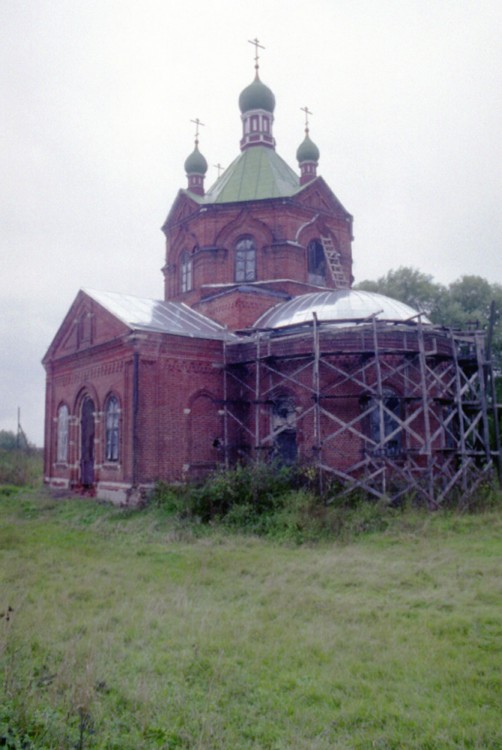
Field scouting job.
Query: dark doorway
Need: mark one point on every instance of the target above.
(87, 435)
(286, 451)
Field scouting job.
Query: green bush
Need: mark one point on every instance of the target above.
(273, 501)
(255, 489)
(284, 503)
(21, 467)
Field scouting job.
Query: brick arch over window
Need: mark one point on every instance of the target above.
(87, 391)
(205, 434)
(245, 223)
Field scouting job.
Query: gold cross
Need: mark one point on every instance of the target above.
(256, 55)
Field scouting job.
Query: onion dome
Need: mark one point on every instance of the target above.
(195, 163)
(256, 96)
(307, 150)
(308, 156)
(257, 104)
(196, 168)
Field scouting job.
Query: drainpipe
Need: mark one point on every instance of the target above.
(135, 409)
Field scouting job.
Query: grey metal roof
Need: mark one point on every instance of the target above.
(158, 316)
(343, 305)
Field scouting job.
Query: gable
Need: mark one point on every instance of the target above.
(319, 197)
(86, 324)
(185, 205)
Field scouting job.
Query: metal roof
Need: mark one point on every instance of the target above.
(342, 305)
(256, 174)
(158, 316)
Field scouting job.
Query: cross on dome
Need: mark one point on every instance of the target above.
(196, 164)
(257, 46)
(197, 122)
(307, 113)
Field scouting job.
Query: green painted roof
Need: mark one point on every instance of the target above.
(258, 173)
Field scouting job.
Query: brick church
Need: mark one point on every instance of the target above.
(259, 351)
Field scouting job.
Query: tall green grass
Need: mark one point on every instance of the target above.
(21, 467)
(143, 629)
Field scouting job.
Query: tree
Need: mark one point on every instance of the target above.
(464, 302)
(408, 285)
(8, 440)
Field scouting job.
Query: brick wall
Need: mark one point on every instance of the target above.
(280, 228)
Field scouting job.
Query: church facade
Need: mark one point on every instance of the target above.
(260, 350)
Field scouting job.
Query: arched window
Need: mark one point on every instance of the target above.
(316, 263)
(388, 442)
(245, 260)
(283, 423)
(112, 413)
(62, 444)
(186, 271)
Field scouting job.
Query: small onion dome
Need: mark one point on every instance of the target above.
(195, 163)
(256, 96)
(307, 150)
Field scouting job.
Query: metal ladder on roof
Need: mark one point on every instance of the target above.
(333, 259)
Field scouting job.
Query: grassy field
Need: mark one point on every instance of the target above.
(130, 630)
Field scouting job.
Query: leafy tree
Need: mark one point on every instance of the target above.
(465, 301)
(409, 285)
(8, 440)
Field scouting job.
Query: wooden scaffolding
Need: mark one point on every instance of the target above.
(386, 409)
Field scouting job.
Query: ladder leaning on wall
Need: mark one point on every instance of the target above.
(333, 259)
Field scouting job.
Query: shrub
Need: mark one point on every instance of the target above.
(255, 489)
(21, 467)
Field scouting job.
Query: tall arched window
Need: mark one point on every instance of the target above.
(283, 423)
(186, 271)
(388, 442)
(62, 444)
(245, 260)
(112, 413)
(316, 263)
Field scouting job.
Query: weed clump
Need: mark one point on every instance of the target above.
(274, 501)
(21, 467)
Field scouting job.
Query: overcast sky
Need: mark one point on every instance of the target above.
(96, 100)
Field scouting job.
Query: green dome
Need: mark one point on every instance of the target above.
(196, 163)
(256, 96)
(307, 151)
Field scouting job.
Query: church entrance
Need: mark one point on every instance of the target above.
(87, 443)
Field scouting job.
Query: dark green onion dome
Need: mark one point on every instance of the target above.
(307, 150)
(196, 163)
(256, 96)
